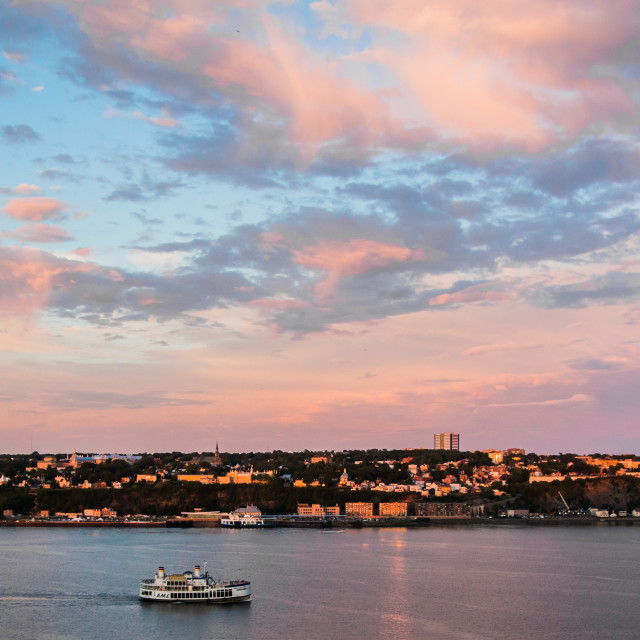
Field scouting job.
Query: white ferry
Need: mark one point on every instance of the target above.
(246, 517)
(193, 586)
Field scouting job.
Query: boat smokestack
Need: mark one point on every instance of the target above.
(161, 573)
(197, 571)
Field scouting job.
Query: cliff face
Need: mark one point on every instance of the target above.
(616, 492)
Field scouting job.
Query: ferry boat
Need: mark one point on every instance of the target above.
(246, 517)
(193, 586)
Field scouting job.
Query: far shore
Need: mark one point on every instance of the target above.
(288, 522)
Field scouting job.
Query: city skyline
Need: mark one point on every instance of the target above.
(333, 225)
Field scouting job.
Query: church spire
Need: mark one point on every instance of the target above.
(217, 460)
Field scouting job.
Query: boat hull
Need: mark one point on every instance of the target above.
(178, 598)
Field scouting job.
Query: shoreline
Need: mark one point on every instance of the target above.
(332, 524)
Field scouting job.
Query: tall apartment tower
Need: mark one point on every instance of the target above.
(449, 441)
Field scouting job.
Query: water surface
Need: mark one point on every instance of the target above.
(470, 583)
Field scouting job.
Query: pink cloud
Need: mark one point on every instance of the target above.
(626, 265)
(505, 346)
(30, 275)
(116, 16)
(35, 209)
(40, 233)
(319, 104)
(575, 398)
(172, 39)
(468, 296)
(487, 74)
(14, 56)
(166, 121)
(22, 189)
(509, 69)
(341, 259)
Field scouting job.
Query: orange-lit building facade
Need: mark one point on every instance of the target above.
(317, 510)
(394, 509)
(360, 509)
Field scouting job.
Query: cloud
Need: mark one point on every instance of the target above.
(30, 276)
(105, 400)
(19, 134)
(591, 162)
(505, 346)
(21, 190)
(110, 337)
(342, 259)
(165, 121)
(597, 364)
(526, 68)
(65, 158)
(35, 209)
(482, 293)
(57, 174)
(14, 56)
(8, 81)
(613, 287)
(578, 398)
(39, 233)
(148, 189)
(535, 73)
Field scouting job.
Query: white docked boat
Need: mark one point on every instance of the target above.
(193, 586)
(246, 517)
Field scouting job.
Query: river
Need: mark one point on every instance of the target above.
(467, 583)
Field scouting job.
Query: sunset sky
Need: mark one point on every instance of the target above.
(323, 225)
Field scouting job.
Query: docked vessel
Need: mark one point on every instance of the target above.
(193, 586)
(246, 517)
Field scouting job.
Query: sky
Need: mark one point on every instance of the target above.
(337, 224)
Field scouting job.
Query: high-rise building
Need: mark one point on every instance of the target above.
(449, 441)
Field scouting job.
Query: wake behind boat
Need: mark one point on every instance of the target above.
(193, 586)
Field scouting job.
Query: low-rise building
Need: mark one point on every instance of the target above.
(317, 510)
(48, 462)
(517, 513)
(444, 509)
(393, 509)
(63, 482)
(201, 478)
(146, 477)
(495, 455)
(198, 514)
(549, 478)
(360, 509)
